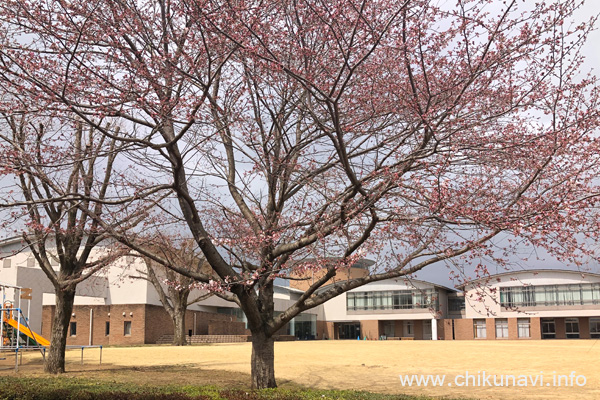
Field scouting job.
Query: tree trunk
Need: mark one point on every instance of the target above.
(55, 361)
(179, 336)
(263, 357)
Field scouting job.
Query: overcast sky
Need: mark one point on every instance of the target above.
(536, 258)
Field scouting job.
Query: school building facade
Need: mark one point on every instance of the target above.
(114, 308)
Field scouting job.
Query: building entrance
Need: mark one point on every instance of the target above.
(349, 330)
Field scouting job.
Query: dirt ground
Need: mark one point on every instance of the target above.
(362, 365)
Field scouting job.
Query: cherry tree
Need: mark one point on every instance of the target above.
(174, 289)
(50, 167)
(295, 132)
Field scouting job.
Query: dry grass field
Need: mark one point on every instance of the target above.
(363, 365)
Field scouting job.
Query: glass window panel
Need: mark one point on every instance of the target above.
(517, 296)
(350, 301)
(480, 331)
(565, 296)
(360, 301)
(505, 297)
(528, 296)
(540, 295)
(387, 300)
(587, 295)
(575, 294)
(523, 327)
(551, 295)
(596, 292)
(369, 296)
(501, 328)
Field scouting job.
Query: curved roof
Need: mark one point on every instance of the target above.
(399, 278)
(528, 271)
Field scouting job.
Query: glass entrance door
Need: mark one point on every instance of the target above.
(349, 330)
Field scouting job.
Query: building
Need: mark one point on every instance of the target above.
(534, 304)
(393, 308)
(115, 308)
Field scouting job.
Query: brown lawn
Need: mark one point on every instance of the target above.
(361, 365)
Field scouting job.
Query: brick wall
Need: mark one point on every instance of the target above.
(204, 318)
(82, 319)
(560, 328)
(463, 329)
(446, 326)
(159, 323)
(148, 324)
(490, 328)
(584, 328)
(226, 328)
(535, 327)
(370, 329)
(513, 329)
(47, 317)
(133, 313)
(325, 330)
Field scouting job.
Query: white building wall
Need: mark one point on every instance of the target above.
(483, 297)
(335, 309)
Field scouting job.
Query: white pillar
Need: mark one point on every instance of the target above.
(434, 335)
(293, 327)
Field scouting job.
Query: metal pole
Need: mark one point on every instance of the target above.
(100, 354)
(28, 311)
(17, 359)
(81, 355)
(2, 320)
(17, 313)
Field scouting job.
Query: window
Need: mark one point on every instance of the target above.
(548, 329)
(550, 295)
(523, 327)
(528, 296)
(392, 300)
(6, 263)
(595, 328)
(456, 304)
(31, 262)
(107, 328)
(501, 328)
(572, 328)
(479, 327)
(127, 328)
(73, 329)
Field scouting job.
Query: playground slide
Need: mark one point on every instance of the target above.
(41, 340)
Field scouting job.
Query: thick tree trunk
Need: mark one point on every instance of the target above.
(179, 336)
(55, 360)
(263, 357)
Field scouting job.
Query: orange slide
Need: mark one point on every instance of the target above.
(41, 340)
